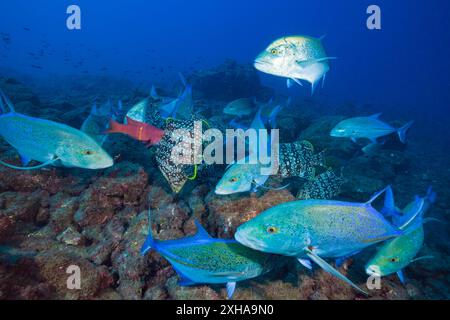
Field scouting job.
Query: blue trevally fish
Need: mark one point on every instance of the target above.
(246, 176)
(295, 58)
(49, 142)
(370, 128)
(317, 229)
(396, 254)
(201, 259)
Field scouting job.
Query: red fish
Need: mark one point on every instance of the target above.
(140, 131)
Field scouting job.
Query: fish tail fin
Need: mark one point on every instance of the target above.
(150, 242)
(6, 105)
(403, 130)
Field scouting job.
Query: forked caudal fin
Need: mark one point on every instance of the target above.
(403, 130)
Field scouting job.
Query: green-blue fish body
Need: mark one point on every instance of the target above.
(49, 142)
(312, 229)
(396, 254)
(202, 259)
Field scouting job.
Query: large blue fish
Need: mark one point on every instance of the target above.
(316, 229)
(371, 128)
(49, 142)
(201, 259)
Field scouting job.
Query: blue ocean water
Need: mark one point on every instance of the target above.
(401, 70)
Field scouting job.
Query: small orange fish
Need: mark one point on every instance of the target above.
(140, 131)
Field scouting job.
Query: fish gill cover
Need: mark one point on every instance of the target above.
(109, 110)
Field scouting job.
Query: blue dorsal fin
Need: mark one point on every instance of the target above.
(376, 116)
(4, 99)
(375, 196)
(182, 79)
(431, 195)
(201, 232)
(389, 204)
(153, 93)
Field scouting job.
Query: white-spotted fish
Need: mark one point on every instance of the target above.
(325, 186)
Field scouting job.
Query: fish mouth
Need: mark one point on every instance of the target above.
(249, 241)
(258, 64)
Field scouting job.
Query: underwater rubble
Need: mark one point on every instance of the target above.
(53, 218)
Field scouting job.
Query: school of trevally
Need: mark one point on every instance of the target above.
(214, 150)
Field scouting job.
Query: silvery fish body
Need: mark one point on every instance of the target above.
(296, 58)
(370, 128)
(50, 142)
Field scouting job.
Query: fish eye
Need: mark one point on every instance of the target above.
(272, 230)
(395, 259)
(234, 179)
(274, 51)
(87, 152)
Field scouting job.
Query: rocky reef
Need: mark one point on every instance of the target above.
(97, 220)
